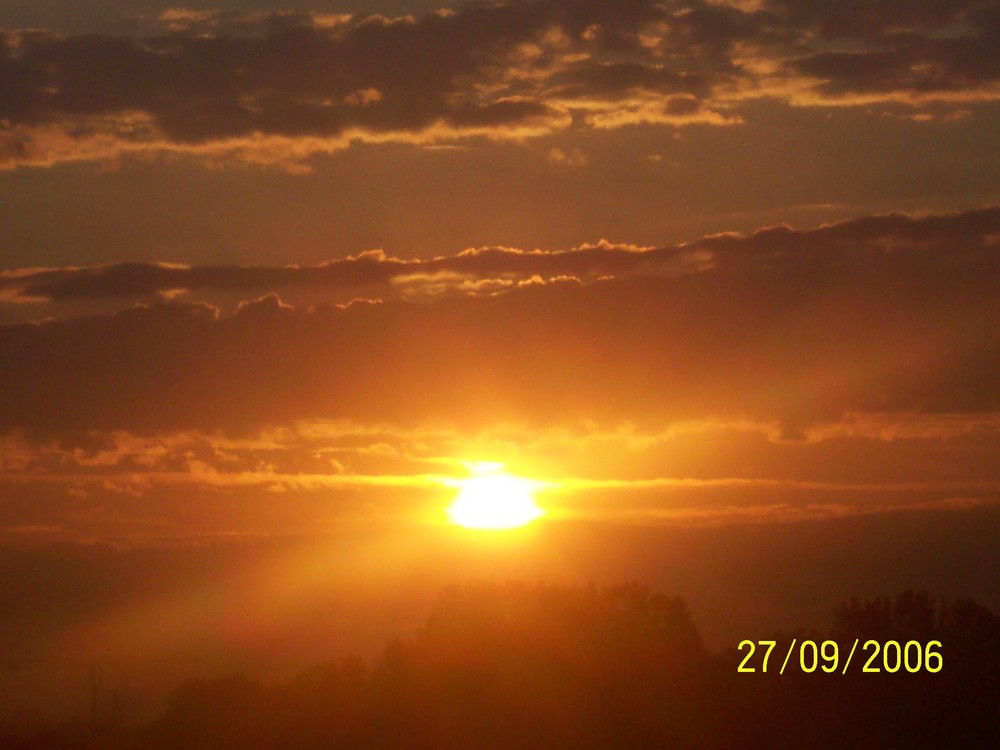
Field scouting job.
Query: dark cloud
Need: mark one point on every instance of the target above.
(910, 49)
(885, 244)
(860, 19)
(618, 79)
(880, 314)
(261, 86)
(372, 273)
(913, 65)
(296, 78)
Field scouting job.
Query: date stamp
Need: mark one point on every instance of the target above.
(876, 656)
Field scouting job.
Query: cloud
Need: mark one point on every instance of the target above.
(139, 489)
(477, 270)
(279, 87)
(861, 454)
(880, 314)
(890, 244)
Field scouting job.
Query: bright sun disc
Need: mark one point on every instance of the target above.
(494, 501)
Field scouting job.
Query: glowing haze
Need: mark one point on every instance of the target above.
(716, 280)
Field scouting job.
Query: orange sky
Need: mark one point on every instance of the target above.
(274, 272)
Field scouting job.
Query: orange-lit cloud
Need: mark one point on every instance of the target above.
(279, 87)
(892, 243)
(849, 366)
(310, 476)
(881, 314)
(370, 274)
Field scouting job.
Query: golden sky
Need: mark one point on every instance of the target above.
(276, 270)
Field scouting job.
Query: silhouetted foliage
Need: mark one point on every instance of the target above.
(957, 707)
(532, 666)
(911, 615)
(520, 666)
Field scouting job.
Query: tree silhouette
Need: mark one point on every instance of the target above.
(532, 666)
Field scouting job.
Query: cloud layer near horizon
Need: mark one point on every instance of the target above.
(884, 314)
(782, 375)
(895, 244)
(277, 88)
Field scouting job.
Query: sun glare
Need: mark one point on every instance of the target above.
(495, 500)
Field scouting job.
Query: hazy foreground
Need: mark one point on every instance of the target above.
(534, 666)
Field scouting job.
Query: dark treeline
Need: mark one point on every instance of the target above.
(530, 666)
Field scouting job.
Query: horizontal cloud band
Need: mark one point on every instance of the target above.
(878, 314)
(965, 242)
(280, 87)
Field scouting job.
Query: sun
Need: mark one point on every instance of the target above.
(494, 500)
